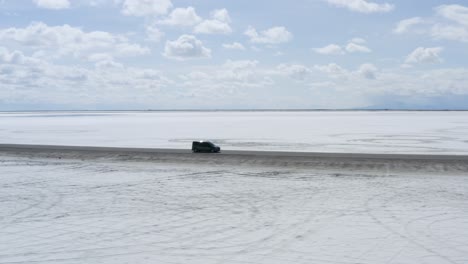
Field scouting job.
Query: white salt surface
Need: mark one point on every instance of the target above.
(105, 211)
(372, 132)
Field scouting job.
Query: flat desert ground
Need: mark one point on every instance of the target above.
(87, 208)
(314, 131)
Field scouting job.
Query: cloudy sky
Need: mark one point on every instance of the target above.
(213, 54)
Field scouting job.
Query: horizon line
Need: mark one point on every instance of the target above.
(242, 110)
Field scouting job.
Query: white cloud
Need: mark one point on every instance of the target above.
(212, 27)
(331, 49)
(153, 33)
(425, 55)
(58, 41)
(449, 23)
(100, 57)
(228, 80)
(240, 64)
(238, 71)
(399, 83)
(444, 81)
(218, 24)
(52, 4)
(40, 82)
(146, 7)
(362, 6)
(457, 29)
(450, 32)
(455, 13)
(294, 71)
(221, 15)
(108, 64)
(234, 46)
(274, 35)
(130, 50)
(7, 57)
(353, 47)
(333, 70)
(358, 41)
(182, 17)
(31, 81)
(368, 71)
(406, 24)
(393, 82)
(186, 47)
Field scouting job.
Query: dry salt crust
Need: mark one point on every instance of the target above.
(366, 132)
(115, 211)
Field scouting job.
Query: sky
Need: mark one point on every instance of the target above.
(243, 54)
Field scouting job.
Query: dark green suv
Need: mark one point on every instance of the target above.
(205, 146)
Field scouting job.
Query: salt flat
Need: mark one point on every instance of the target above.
(87, 207)
(83, 209)
(366, 132)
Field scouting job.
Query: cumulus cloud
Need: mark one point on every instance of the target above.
(240, 64)
(153, 33)
(186, 47)
(234, 46)
(130, 50)
(221, 15)
(182, 17)
(146, 7)
(368, 71)
(294, 71)
(228, 79)
(218, 24)
(368, 81)
(274, 35)
(58, 41)
(331, 49)
(332, 69)
(362, 6)
(36, 81)
(238, 71)
(424, 55)
(52, 4)
(108, 64)
(7, 57)
(31, 81)
(100, 57)
(458, 29)
(456, 13)
(353, 47)
(450, 22)
(212, 27)
(406, 24)
(450, 32)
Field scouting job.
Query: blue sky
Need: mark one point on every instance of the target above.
(212, 54)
